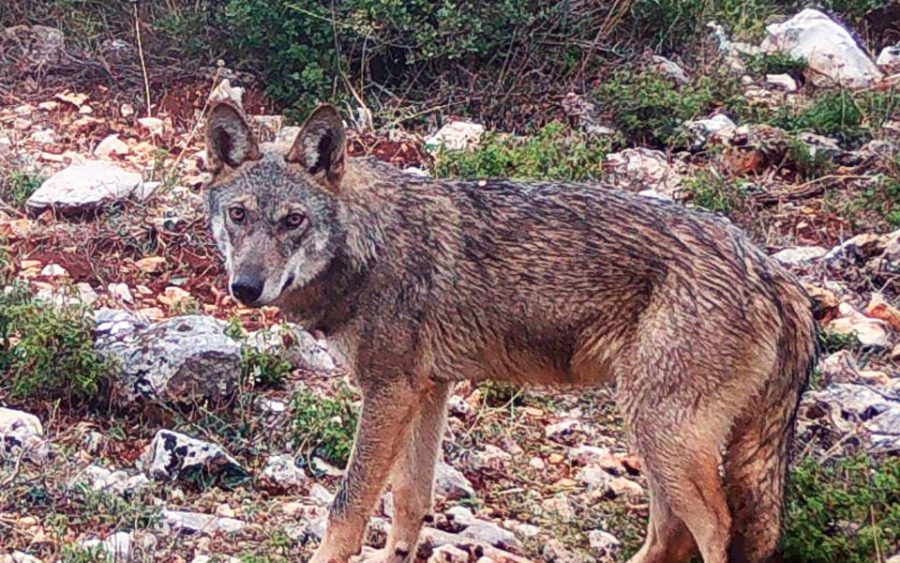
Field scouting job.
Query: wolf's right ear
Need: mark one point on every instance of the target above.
(229, 139)
(321, 145)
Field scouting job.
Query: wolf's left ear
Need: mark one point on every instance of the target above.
(229, 139)
(321, 145)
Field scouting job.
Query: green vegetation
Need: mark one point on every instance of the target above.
(325, 426)
(47, 351)
(649, 107)
(263, 368)
(845, 510)
(555, 153)
(713, 191)
(16, 186)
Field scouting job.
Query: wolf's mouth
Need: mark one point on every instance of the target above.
(287, 283)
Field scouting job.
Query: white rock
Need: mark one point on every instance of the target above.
(118, 546)
(889, 59)
(154, 125)
(458, 135)
(852, 405)
(172, 454)
(603, 544)
(491, 534)
(641, 169)
(282, 471)
(563, 429)
(44, 137)
(704, 130)
(448, 554)
(54, 271)
(20, 431)
(120, 482)
(594, 478)
(111, 145)
(488, 457)
(798, 256)
(832, 55)
(84, 186)
(782, 82)
(303, 350)
(179, 360)
(820, 145)
(203, 523)
(450, 483)
(19, 557)
(416, 171)
(870, 332)
(318, 494)
(670, 69)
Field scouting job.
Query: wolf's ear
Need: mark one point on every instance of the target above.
(321, 145)
(228, 138)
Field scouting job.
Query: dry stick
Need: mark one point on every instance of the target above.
(140, 46)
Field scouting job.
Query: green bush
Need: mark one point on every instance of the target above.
(47, 351)
(17, 186)
(649, 107)
(325, 426)
(554, 153)
(845, 510)
(851, 118)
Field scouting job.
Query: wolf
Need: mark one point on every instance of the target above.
(419, 283)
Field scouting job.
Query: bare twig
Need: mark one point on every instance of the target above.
(140, 46)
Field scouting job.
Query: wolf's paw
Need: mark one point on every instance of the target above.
(372, 555)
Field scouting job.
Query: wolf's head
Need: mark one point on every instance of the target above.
(273, 210)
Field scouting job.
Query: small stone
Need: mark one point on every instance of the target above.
(781, 82)
(594, 478)
(558, 506)
(670, 69)
(537, 464)
(450, 484)
(20, 431)
(118, 546)
(225, 510)
(640, 169)
(111, 145)
(603, 544)
(151, 264)
(889, 59)
(203, 523)
(489, 456)
(121, 292)
(563, 429)
(839, 367)
(491, 534)
(154, 125)
(54, 271)
(871, 333)
(458, 135)
(280, 470)
(320, 495)
(800, 256)
(172, 455)
(448, 554)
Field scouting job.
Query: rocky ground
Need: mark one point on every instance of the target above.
(221, 433)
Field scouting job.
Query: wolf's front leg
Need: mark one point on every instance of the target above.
(388, 411)
(412, 480)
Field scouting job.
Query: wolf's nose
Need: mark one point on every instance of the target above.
(247, 291)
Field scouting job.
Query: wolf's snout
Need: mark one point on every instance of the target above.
(247, 290)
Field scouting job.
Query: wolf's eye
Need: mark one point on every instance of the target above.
(293, 221)
(237, 214)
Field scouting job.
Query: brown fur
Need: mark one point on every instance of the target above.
(420, 283)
